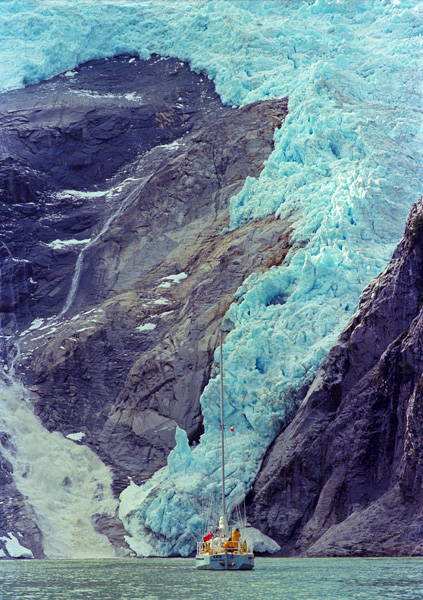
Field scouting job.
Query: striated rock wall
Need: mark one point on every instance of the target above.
(345, 477)
(115, 184)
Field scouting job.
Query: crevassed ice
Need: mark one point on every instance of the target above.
(346, 168)
(339, 173)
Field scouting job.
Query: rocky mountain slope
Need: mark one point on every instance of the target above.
(118, 264)
(117, 268)
(345, 477)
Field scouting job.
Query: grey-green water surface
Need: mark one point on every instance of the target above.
(177, 579)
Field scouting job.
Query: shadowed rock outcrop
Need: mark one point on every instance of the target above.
(345, 477)
(124, 170)
(62, 140)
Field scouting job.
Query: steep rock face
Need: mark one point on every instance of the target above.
(115, 185)
(345, 477)
(63, 139)
(158, 279)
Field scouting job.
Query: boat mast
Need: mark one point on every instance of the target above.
(222, 428)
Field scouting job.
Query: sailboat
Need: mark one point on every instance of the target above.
(225, 551)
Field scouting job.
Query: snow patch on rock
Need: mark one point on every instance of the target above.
(76, 437)
(146, 327)
(14, 548)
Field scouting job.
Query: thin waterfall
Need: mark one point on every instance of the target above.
(80, 260)
(9, 352)
(65, 485)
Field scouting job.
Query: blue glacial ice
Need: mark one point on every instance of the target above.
(346, 168)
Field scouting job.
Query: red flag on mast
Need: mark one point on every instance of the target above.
(208, 537)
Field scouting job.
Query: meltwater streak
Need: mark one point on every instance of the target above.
(80, 260)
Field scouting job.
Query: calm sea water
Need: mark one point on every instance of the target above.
(177, 579)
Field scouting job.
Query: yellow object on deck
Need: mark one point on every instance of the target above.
(234, 542)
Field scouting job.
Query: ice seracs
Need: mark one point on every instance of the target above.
(338, 171)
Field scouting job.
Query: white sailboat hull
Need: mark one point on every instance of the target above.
(225, 561)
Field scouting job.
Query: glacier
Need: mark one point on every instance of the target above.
(346, 167)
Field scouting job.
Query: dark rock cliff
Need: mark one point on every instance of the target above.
(345, 477)
(115, 182)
